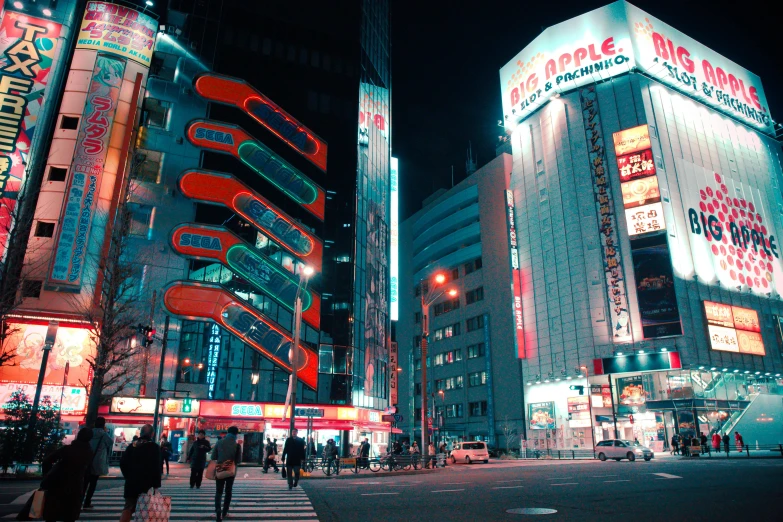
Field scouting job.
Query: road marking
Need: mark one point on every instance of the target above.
(447, 483)
(445, 490)
(622, 480)
(399, 485)
(560, 478)
(507, 487)
(505, 481)
(374, 494)
(338, 487)
(566, 484)
(667, 476)
(602, 476)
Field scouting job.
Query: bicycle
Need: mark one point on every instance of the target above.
(331, 466)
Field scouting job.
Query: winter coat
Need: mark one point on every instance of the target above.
(198, 453)
(715, 441)
(227, 448)
(140, 465)
(101, 445)
(165, 449)
(294, 451)
(364, 451)
(64, 481)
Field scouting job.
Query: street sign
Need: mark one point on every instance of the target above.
(398, 418)
(309, 412)
(387, 418)
(390, 410)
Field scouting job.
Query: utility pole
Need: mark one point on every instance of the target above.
(304, 275)
(146, 350)
(424, 339)
(614, 412)
(51, 336)
(160, 376)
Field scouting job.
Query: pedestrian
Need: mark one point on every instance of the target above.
(716, 442)
(726, 441)
(293, 455)
(703, 442)
(270, 459)
(330, 454)
(101, 445)
(431, 454)
(685, 445)
(165, 453)
(227, 451)
(311, 451)
(738, 440)
(197, 456)
(675, 444)
(140, 465)
(65, 472)
(364, 453)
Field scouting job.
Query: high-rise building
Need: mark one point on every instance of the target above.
(647, 182)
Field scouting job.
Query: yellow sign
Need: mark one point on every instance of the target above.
(118, 30)
(631, 140)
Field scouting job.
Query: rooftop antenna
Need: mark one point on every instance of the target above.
(470, 162)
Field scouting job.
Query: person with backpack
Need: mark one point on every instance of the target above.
(140, 465)
(228, 453)
(101, 445)
(197, 455)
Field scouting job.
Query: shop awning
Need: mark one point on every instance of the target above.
(372, 426)
(301, 424)
(128, 419)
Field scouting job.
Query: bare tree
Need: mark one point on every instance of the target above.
(510, 433)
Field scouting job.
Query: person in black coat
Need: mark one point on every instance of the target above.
(140, 465)
(197, 455)
(64, 472)
(293, 456)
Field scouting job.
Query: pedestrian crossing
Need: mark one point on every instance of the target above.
(262, 500)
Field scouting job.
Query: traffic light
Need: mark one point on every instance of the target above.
(186, 405)
(578, 387)
(149, 334)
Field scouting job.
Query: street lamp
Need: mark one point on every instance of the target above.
(304, 277)
(589, 403)
(442, 422)
(427, 298)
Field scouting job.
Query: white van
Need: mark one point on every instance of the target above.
(468, 452)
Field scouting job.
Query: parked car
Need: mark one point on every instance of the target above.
(468, 452)
(622, 449)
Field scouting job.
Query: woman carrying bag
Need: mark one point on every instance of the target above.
(226, 454)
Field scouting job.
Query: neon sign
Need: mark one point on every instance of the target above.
(261, 159)
(213, 354)
(202, 301)
(224, 189)
(236, 92)
(246, 410)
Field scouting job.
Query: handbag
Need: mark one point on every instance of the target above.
(225, 470)
(37, 507)
(283, 472)
(211, 468)
(152, 507)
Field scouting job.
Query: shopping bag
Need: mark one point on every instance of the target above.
(225, 470)
(283, 472)
(211, 468)
(152, 507)
(37, 507)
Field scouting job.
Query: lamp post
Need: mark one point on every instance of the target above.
(427, 298)
(442, 421)
(589, 403)
(304, 276)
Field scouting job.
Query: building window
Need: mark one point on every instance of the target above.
(455, 383)
(453, 411)
(32, 289)
(44, 229)
(477, 263)
(156, 113)
(474, 323)
(477, 379)
(417, 317)
(478, 409)
(417, 388)
(453, 356)
(69, 122)
(446, 332)
(445, 306)
(142, 217)
(57, 173)
(476, 350)
(147, 166)
(472, 266)
(439, 383)
(439, 359)
(418, 364)
(417, 413)
(477, 294)
(454, 274)
(417, 341)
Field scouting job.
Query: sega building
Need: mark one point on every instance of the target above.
(648, 199)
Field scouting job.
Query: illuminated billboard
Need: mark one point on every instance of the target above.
(118, 30)
(644, 219)
(71, 400)
(206, 301)
(230, 139)
(516, 277)
(614, 40)
(28, 47)
(640, 192)
(630, 140)
(733, 329)
(394, 255)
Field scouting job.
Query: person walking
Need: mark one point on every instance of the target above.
(738, 441)
(675, 444)
(364, 453)
(703, 442)
(311, 451)
(197, 456)
(330, 455)
(65, 472)
(140, 465)
(726, 441)
(226, 451)
(431, 455)
(293, 455)
(269, 455)
(716, 442)
(165, 453)
(101, 445)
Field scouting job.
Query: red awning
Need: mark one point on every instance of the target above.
(128, 419)
(318, 424)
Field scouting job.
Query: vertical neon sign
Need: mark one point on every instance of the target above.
(213, 345)
(395, 231)
(516, 280)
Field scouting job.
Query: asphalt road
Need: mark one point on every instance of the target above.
(666, 489)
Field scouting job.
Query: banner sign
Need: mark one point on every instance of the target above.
(118, 30)
(578, 404)
(631, 395)
(394, 256)
(615, 281)
(240, 94)
(205, 242)
(225, 189)
(393, 374)
(206, 301)
(230, 139)
(27, 49)
(733, 329)
(92, 146)
(614, 40)
(74, 399)
(516, 275)
(541, 415)
(655, 293)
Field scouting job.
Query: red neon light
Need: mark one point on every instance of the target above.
(518, 319)
(200, 301)
(239, 93)
(224, 189)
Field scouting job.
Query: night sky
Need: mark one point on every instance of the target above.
(446, 58)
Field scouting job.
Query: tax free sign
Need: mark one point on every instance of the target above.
(620, 38)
